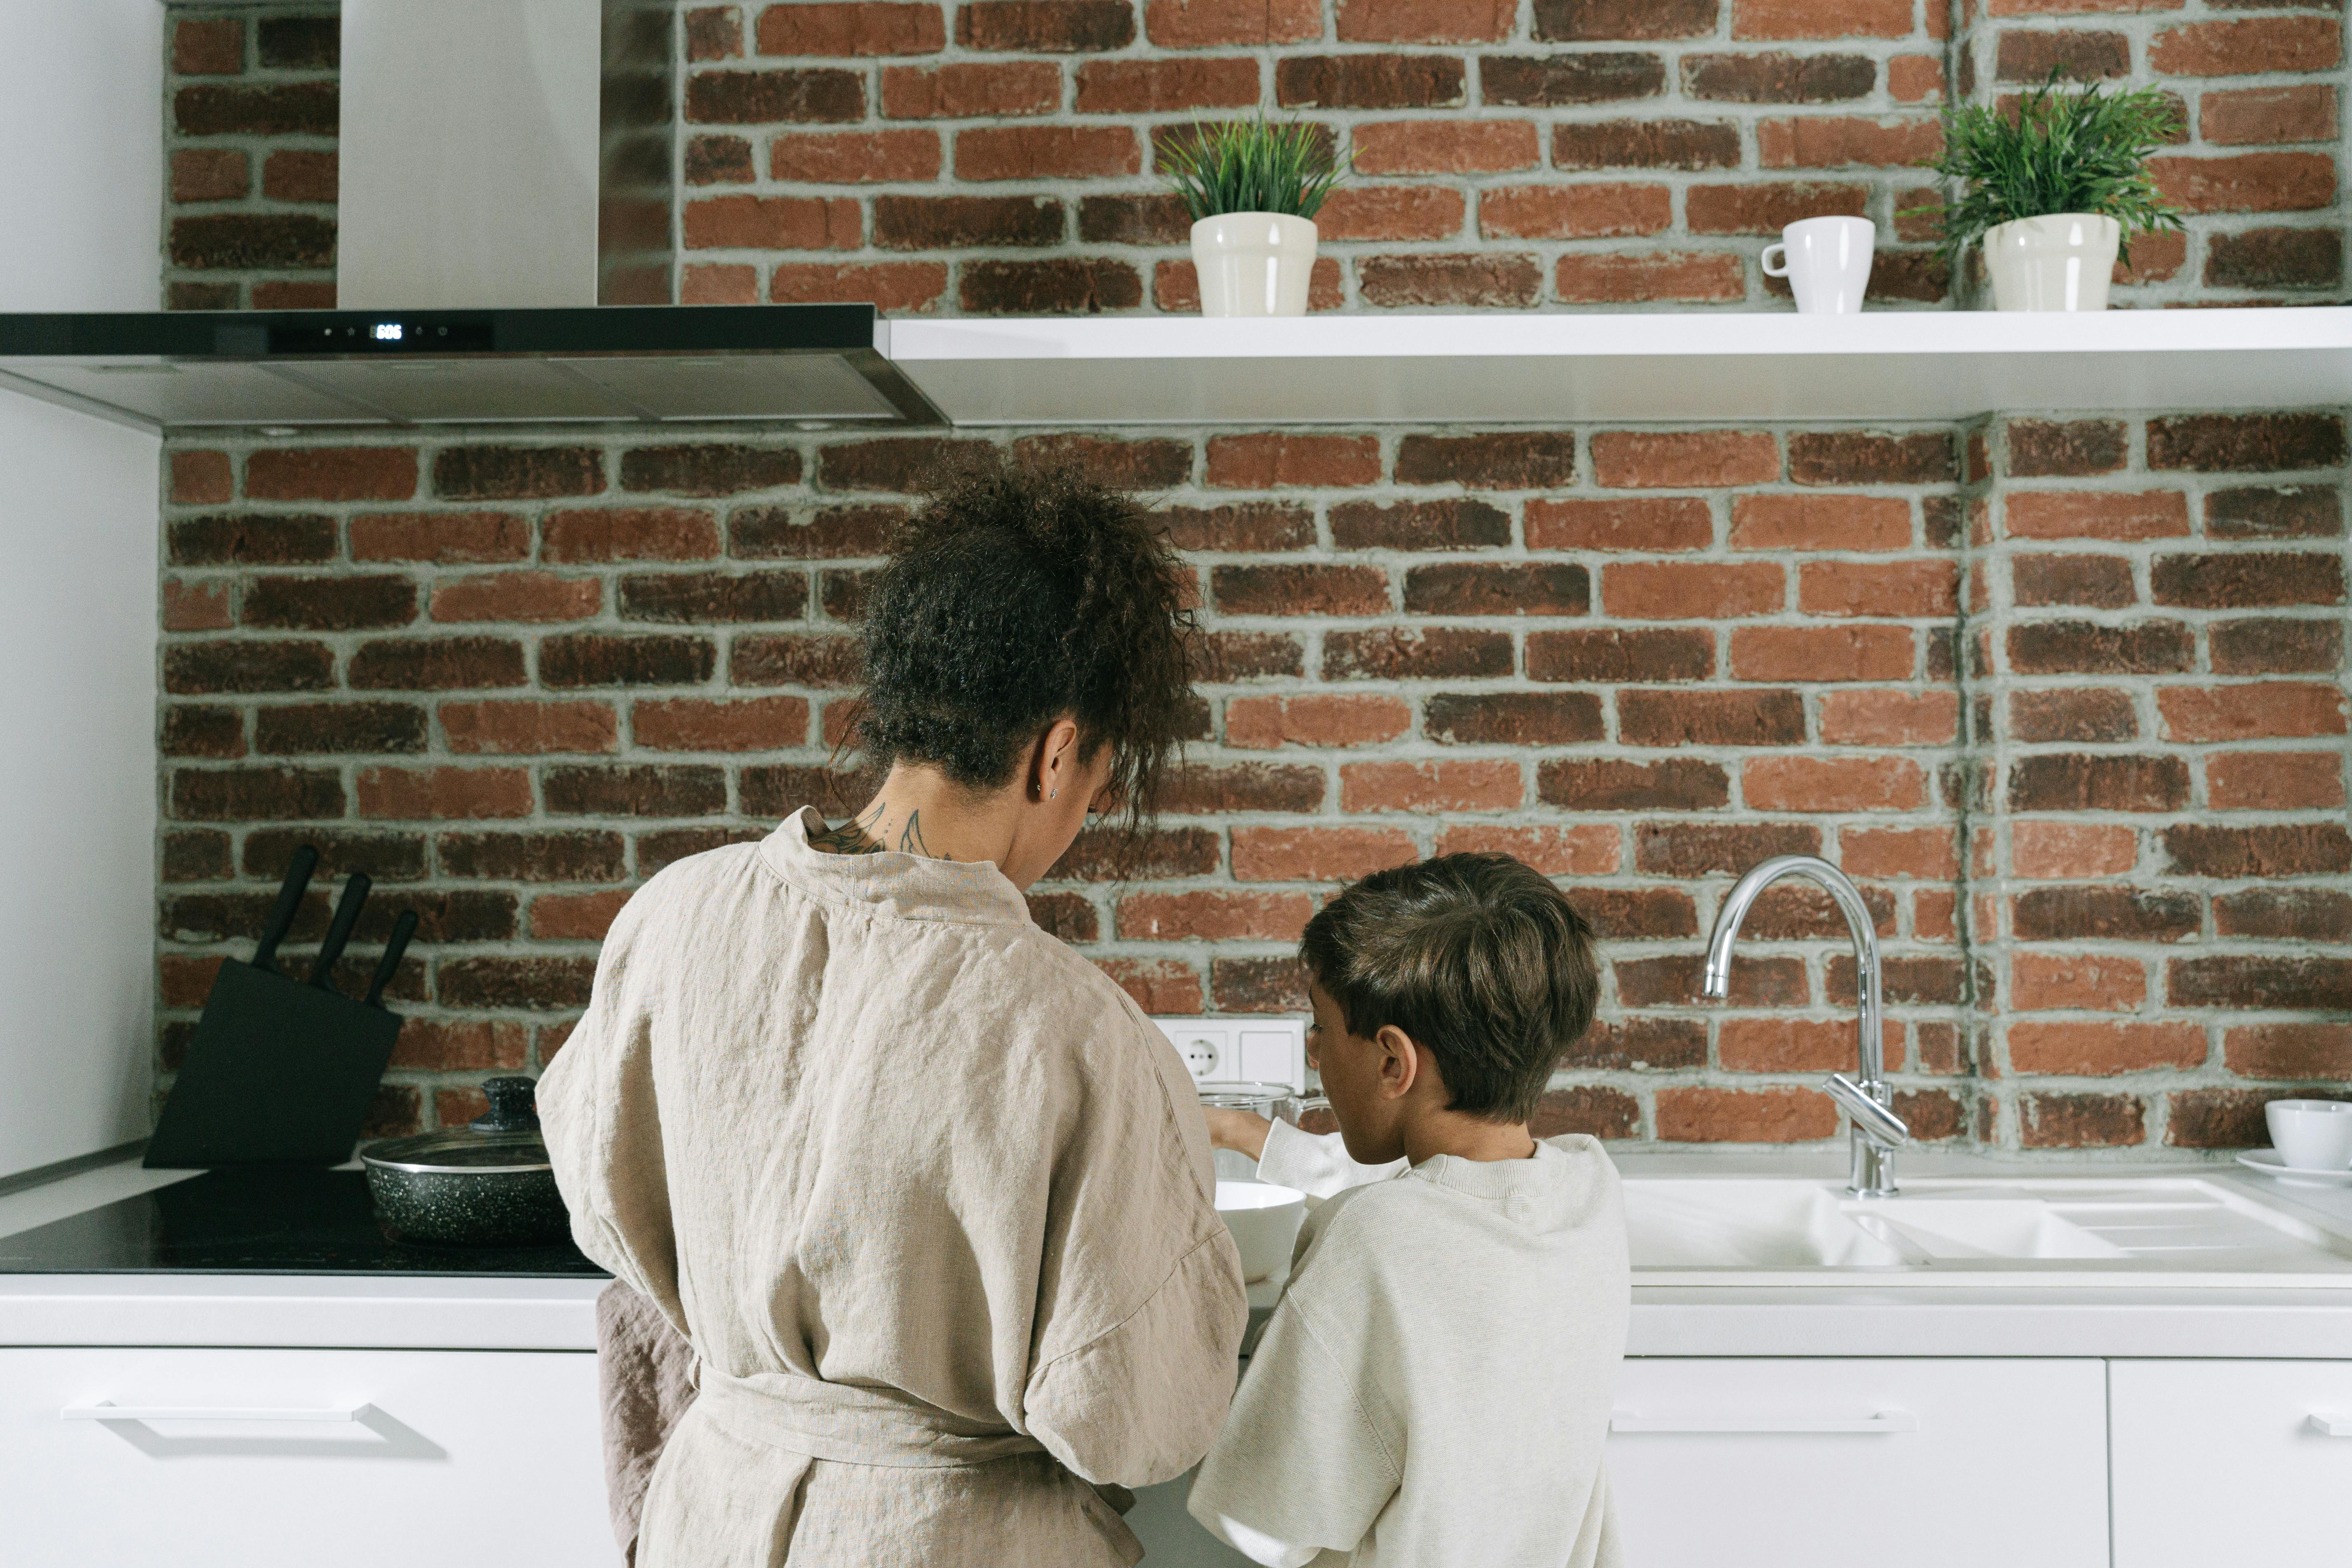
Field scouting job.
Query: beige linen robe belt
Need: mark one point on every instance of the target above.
(852, 1425)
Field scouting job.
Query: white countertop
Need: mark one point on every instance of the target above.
(346, 1310)
(1728, 1320)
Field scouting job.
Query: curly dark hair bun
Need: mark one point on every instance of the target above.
(1016, 594)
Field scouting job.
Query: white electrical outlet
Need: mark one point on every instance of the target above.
(1247, 1051)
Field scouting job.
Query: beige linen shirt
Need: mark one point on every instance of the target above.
(930, 1195)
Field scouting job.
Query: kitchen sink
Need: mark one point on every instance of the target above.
(1969, 1227)
(2140, 1231)
(1747, 1224)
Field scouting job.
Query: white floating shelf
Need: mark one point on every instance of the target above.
(1555, 369)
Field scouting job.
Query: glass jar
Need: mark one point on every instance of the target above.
(1275, 1102)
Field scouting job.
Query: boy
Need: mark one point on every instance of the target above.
(1433, 1387)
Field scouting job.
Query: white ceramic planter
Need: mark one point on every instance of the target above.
(1253, 264)
(2061, 262)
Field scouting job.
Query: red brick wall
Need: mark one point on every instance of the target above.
(511, 681)
(994, 156)
(249, 152)
(2065, 693)
(2160, 855)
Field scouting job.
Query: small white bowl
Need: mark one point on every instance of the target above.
(1264, 1221)
(2311, 1134)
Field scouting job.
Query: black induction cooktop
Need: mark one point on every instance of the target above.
(261, 1222)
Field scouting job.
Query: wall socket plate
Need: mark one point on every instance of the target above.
(1247, 1051)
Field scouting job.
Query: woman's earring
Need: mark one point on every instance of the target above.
(1051, 794)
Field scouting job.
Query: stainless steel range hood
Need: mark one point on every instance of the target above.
(297, 369)
(506, 253)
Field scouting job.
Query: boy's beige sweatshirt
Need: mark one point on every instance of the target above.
(1432, 1390)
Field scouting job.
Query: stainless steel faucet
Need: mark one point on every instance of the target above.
(1876, 1131)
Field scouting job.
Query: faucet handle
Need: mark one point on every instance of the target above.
(1871, 1119)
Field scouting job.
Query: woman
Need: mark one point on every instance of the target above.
(930, 1195)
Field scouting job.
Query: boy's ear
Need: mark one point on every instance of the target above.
(1401, 1062)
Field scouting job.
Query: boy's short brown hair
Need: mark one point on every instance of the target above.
(1477, 958)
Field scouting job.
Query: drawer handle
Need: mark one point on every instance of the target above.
(106, 1410)
(1886, 1421)
(2330, 1425)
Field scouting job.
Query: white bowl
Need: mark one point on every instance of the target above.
(2310, 1134)
(1264, 1221)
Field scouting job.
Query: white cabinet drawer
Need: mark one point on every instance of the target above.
(2223, 1461)
(1934, 1464)
(270, 1459)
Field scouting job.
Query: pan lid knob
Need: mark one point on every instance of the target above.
(514, 1106)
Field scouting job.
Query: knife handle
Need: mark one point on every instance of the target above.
(290, 904)
(389, 965)
(338, 930)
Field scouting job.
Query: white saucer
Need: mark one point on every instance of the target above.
(2267, 1161)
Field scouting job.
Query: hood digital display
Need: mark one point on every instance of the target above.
(434, 334)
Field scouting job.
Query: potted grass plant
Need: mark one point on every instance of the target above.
(2054, 192)
(1252, 190)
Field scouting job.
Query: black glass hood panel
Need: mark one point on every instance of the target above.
(620, 364)
(260, 1222)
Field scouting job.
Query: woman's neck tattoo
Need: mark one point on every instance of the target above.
(867, 833)
(851, 838)
(911, 837)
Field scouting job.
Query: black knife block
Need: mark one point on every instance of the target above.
(278, 1073)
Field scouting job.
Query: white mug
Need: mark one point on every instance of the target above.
(1826, 262)
(2311, 1134)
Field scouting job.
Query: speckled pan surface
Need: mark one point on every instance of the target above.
(470, 1208)
(465, 1188)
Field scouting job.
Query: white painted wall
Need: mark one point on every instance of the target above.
(78, 781)
(81, 113)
